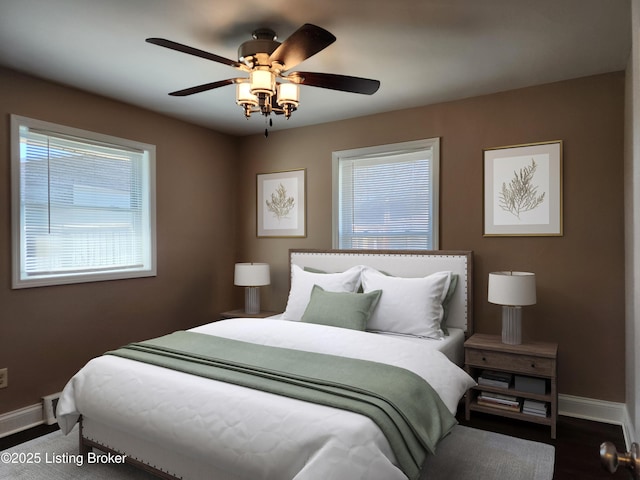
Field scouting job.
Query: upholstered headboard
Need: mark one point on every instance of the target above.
(404, 263)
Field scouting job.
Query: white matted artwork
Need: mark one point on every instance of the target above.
(281, 204)
(523, 190)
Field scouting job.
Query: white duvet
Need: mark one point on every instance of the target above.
(248, 434)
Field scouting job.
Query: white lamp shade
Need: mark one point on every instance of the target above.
(288, 93)
(512, 288)
(251, 274)
(262, 81)
(244, 95)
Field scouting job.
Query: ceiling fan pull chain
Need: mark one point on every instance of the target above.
(266, 128)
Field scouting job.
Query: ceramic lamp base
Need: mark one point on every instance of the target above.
(252, 300)
(511, 325)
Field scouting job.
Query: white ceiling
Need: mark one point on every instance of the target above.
(422, 51)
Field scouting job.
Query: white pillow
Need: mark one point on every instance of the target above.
(302, 283)
(408, 306)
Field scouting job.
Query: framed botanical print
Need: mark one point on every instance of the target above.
(523, 190)
(281, 204)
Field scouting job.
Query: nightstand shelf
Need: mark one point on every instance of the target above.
(536, 360)
(517, 415)
(516, 393)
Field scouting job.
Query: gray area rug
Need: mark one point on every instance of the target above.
(466, 453)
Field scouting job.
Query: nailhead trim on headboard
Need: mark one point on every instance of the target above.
(408, 263)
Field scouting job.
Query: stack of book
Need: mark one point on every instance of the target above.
(495, 379)
(534, 407)
(497, 400)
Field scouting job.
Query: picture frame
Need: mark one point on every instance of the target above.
(281, 204)
(523, 190)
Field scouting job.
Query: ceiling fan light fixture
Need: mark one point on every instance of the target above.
(262, 81)
(245, 98)
(244, 95)
(288, 97)
(288, 93)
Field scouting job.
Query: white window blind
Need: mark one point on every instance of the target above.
(84, 208)
(386, 197)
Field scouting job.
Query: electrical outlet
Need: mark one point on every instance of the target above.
(4, 377)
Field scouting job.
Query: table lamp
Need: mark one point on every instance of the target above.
(512, 290)
(251, 276)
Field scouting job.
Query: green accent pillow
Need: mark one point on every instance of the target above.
(340, 309)
(313, 270)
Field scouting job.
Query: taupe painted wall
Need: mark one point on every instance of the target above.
(47, 333)
(206, 220)
(580, 276)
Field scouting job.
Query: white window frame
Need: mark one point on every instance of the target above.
(430, 144)
(20, 279)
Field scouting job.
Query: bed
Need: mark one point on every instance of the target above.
(185, 425)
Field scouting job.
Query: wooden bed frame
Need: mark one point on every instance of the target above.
(393, 262)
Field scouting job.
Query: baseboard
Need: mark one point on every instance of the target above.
(21, 419)
(629, 429)
(598, 411)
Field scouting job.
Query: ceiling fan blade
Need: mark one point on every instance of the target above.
(193, 51)
(331, 81)
(302, 44)
(204, 87)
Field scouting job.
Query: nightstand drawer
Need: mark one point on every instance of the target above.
(514, 363)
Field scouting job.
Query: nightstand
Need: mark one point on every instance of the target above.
(240, 313)
(533, 364)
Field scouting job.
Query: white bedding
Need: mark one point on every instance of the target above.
(243, 433)
(452, 345)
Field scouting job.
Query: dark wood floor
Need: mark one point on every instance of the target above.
(26, 435)
(577, 445)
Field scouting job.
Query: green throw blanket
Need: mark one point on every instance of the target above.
(405, 407)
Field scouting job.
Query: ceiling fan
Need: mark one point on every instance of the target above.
(270, 87)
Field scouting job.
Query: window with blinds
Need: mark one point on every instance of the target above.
(386, 197)
(83, 205)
